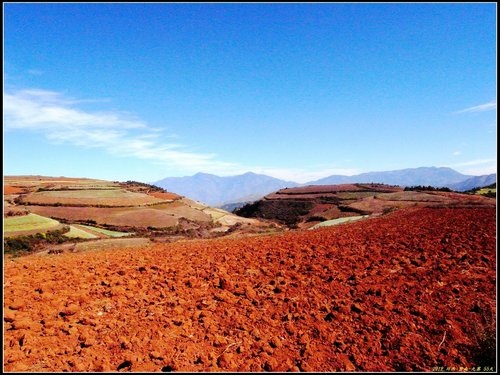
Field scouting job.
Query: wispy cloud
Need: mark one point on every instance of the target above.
(35, 72)
(475, 162)
(60, 121)
(476, 167)
(490, 106)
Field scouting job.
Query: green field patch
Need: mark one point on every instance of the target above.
(107, 232)
(28, 223)
(486, 191)
(338, 221)
(75, 232)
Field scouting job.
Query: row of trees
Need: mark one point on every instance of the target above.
(29, 243)
(427, 188)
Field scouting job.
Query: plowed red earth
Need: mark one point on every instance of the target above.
(407, 291)
(7, 189)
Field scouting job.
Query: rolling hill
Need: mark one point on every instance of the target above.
(40, 206)
(308, 206)
(229, 191)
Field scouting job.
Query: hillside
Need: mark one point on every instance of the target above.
(410, 291)
(82, 209)
(230, 191)
(305, 207)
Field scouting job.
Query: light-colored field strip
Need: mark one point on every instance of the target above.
(486, 191)
(75, 232)
(28, 223)
(338, 221)
(110, 233)
(214, 213)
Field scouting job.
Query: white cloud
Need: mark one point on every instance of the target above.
(490, 106)
(54, 115)
(476, 167)
(475, 162)
(457, 153)
(35, 72)
(480, 171)
(61, 121)
(39, 109)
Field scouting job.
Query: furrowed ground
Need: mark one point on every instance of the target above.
(408, 291)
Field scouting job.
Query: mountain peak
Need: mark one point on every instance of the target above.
(202, 174)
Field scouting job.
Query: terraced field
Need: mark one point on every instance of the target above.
(28, 224)
(92, 197)
(114, 209)
(76, 232)
(105, 232)
(48, 182)
(7, 189)
(305, 207)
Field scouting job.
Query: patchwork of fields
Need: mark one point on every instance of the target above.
(407, 283)
(96, 209)
(305, 207)
(93, 197)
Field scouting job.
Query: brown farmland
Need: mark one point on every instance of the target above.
(99, 197)
(303, 207)
(124, 206)
(7, 190)
(407, 291)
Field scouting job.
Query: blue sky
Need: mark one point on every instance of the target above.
(141, 91)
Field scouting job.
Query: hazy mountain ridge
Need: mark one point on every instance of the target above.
(474, 182)
(218, 191)
(434, 176)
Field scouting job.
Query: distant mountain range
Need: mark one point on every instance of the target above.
(218, 191)
(474, 182)
(433, 176)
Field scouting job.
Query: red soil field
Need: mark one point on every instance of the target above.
(403, 292)
(164, 195)
(316, 189)
(153, 216)
(7, 189)
(91, 197)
